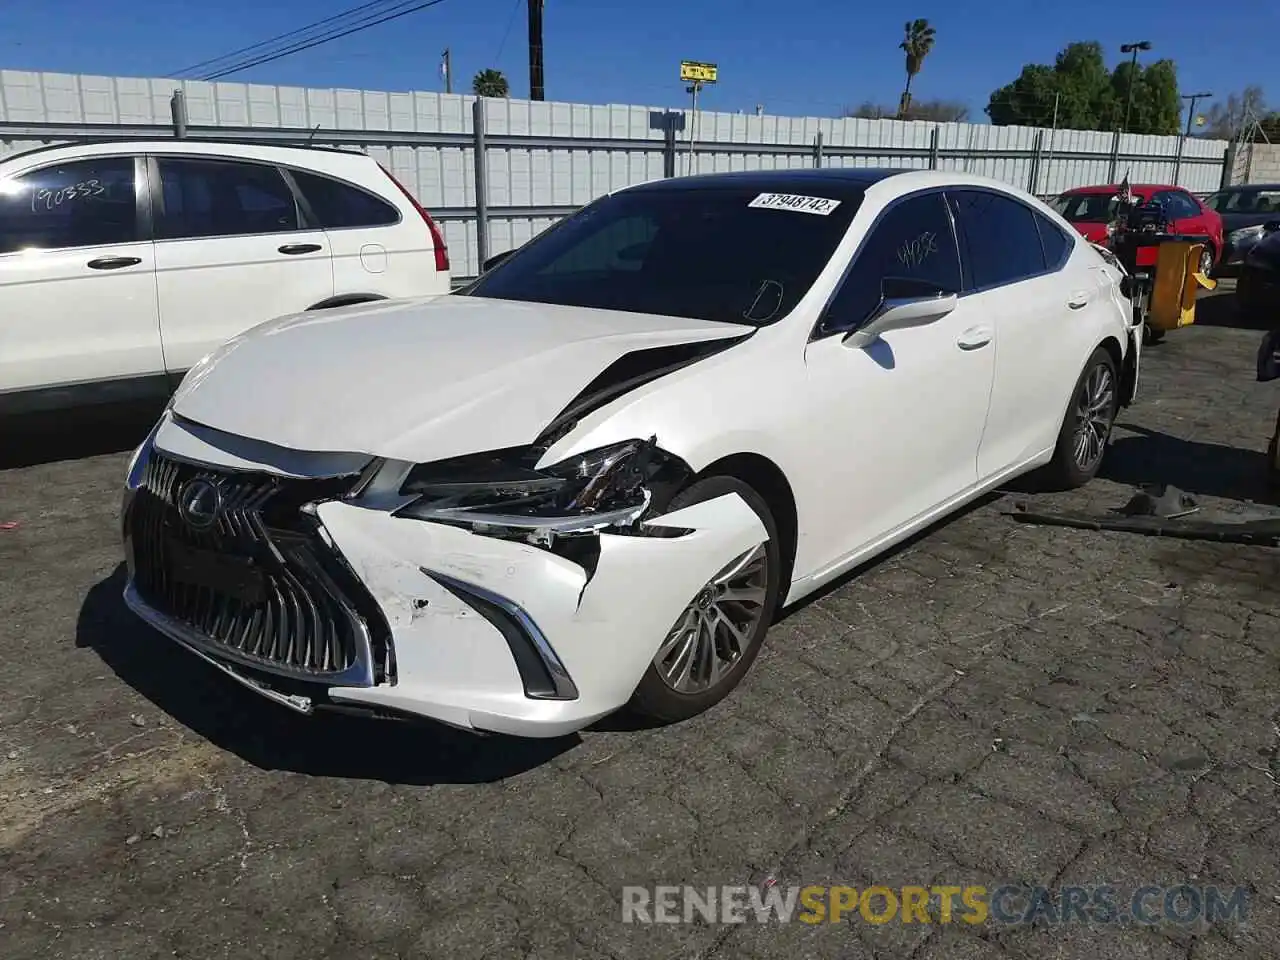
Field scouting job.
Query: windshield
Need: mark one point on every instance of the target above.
(1245, 201)
(1086, 207)
(718, 253)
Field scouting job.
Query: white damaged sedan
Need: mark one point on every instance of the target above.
(589, 479)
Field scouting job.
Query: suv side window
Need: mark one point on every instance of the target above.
(999, 241)
(912, 247)
(337, 204)
(223, 198)
(81, 203)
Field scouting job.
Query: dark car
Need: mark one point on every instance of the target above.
(1258, 289)
(1244, 210)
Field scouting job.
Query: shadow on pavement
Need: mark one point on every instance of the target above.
(273, 738)
(1208, 469)
(33, 439)
(1222, 310)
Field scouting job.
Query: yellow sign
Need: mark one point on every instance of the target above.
(691, 71)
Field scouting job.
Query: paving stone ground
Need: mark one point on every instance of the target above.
(994, 702)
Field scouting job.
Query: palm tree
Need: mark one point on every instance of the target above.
(490, 83)
(917, 44)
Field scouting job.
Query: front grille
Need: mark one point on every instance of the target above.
(258, 585)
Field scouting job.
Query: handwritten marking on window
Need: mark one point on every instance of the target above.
(915, 252)
(47, 199)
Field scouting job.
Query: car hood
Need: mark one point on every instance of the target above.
(422, 380)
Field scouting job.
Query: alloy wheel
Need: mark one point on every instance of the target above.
(713, 634)
(1206, 261)
(1095, 405)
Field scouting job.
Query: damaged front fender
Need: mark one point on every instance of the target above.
(455, 662)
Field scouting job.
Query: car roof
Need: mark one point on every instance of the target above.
(1248, 187)
(839, 181)
(174, 144)
(1117, 187)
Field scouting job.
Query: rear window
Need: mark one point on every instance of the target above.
(1086, 207)
(337, 204)
(703, 254)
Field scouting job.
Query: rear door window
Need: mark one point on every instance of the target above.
(223, 198)
(337, 205)
(999, 240)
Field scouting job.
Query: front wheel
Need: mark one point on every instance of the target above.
(716, 638)
(1206, 260)
(1086, 428)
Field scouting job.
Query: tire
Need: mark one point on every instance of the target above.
(656, 698)
(1067, 470)
(1273, 459)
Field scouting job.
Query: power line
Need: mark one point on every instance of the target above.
(511, 22)
(315, 42)
(283, 36)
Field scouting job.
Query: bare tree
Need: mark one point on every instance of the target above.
(939, 111)
(1226, 119)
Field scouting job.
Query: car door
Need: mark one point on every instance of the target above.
(1032, 299)
(1184, 212)
(78, 315)
(233, 249)
(904, 415)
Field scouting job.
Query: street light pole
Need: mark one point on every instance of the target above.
(1132, 48)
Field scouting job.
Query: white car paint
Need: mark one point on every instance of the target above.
(874, 443)
(74, 334)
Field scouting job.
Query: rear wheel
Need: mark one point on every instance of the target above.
(1086, 428)
(716, 638)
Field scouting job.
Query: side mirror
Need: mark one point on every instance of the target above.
(898, 314)
(496, 259)
(1269, 357)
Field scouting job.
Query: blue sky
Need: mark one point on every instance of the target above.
(802, 57)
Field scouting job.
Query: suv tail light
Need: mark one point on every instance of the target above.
(437, 238)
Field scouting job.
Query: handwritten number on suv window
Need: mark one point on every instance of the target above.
(47, 199)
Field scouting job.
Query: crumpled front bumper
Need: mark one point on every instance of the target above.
(467, 610)
(489, 634)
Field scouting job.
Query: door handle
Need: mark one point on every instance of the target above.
(293, 249)
(113, 263)
(1079, 299)
(975, 337)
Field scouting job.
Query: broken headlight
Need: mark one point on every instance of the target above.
(503, 492)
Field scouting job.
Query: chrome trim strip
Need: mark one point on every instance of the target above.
(565, 689)
(575, 524)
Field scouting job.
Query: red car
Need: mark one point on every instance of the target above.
(1090, 209)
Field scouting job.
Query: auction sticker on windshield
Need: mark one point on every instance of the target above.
(791, 201)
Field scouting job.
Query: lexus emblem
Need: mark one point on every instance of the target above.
(200, 503)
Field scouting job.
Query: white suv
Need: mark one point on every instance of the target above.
(123, 264)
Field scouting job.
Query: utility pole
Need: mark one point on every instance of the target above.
(1191, 109)
(446, 67)
(1132, 48)
(537, 88)
(1182, 143)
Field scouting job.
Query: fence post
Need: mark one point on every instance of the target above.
(1229, 165)
(482, 188)
(1037, 154)
(178, 108)
(669, 143)
(817, 150)
(1115, 157)
(933, 148)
